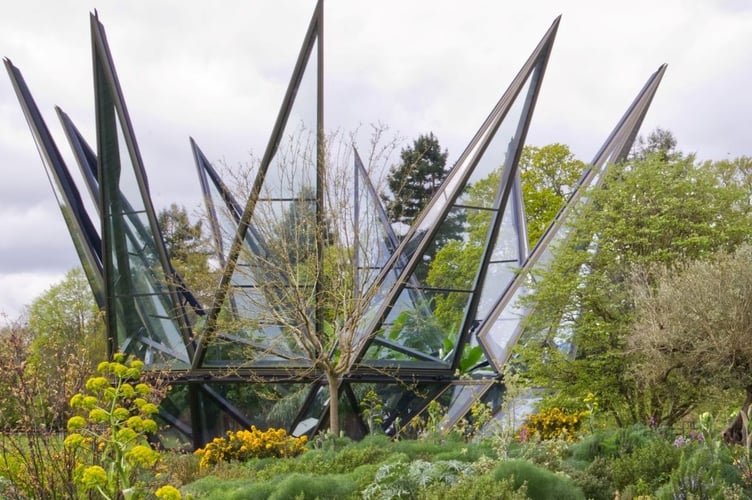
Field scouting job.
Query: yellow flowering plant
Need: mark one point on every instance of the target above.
(552, 423)
(110, 429)
(251, 443)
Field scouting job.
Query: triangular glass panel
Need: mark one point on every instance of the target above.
(502, 327)
(84, 234)
(144, 314)
(85, 157)
(272, 280)
(375, 240)
(457, 242)
(222, 208)
(87, 162)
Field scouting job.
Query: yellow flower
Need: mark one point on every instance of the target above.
(142, 455)
(97, 383)
(98, 416)
(94, 476)
(73, 440)
(75, 423)
(168, 492)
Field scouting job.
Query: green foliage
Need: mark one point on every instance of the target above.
(665, 208)
(548, 175)
(413, 182)
(223, 489)
(305, 486)
(65, 325)
(541, 484)
(646, 467)
(703, 472)
(33, 461)
(474, 487)
(692, 324)
(402, 480)
(594, 479)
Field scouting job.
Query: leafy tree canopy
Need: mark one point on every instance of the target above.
(665, 208)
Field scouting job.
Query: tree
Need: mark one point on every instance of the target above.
(67, 327)
(188, 249)
(548, 175)
(692, 327)
(300, 280)
(663, 209)
(416, 179)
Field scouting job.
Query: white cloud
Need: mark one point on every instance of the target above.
(217, 71)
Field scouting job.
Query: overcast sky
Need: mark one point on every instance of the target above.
(217, 71)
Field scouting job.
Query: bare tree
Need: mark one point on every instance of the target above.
(301, 287)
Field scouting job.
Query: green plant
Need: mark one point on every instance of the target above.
(594, 480)
(402, 480)
(541, 484)
(111, 433)
(650, 465)
(483, 487)
(373, 411)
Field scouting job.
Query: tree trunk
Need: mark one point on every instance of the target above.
(333, 403)
(736, 433)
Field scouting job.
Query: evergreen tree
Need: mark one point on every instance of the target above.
(414, 181)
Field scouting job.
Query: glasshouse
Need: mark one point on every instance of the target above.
(320, 311)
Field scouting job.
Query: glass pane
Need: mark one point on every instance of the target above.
(272, 285)
(447, 270)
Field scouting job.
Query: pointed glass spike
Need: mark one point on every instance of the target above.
(459, 235)
(86, 239)
(375, 238)
(270, 274)
(502, 328)
(87, 162)
(145, 317)
(85, 156)
(222, 208)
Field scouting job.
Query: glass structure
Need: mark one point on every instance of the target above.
(418, 335)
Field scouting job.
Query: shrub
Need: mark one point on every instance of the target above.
(222, 489)
(594, 479)
(305, 486)
(650, 465)
(405, 480)
(483, 487)
(252, 443)
(541, 484)
(552, 423)
(703, 472)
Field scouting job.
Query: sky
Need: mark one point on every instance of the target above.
(217, 71)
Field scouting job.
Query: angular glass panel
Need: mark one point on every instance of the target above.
(271, 290)
(458, 236)
(501, 329)
(375, 237)
(144, 315)
(86, 239)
